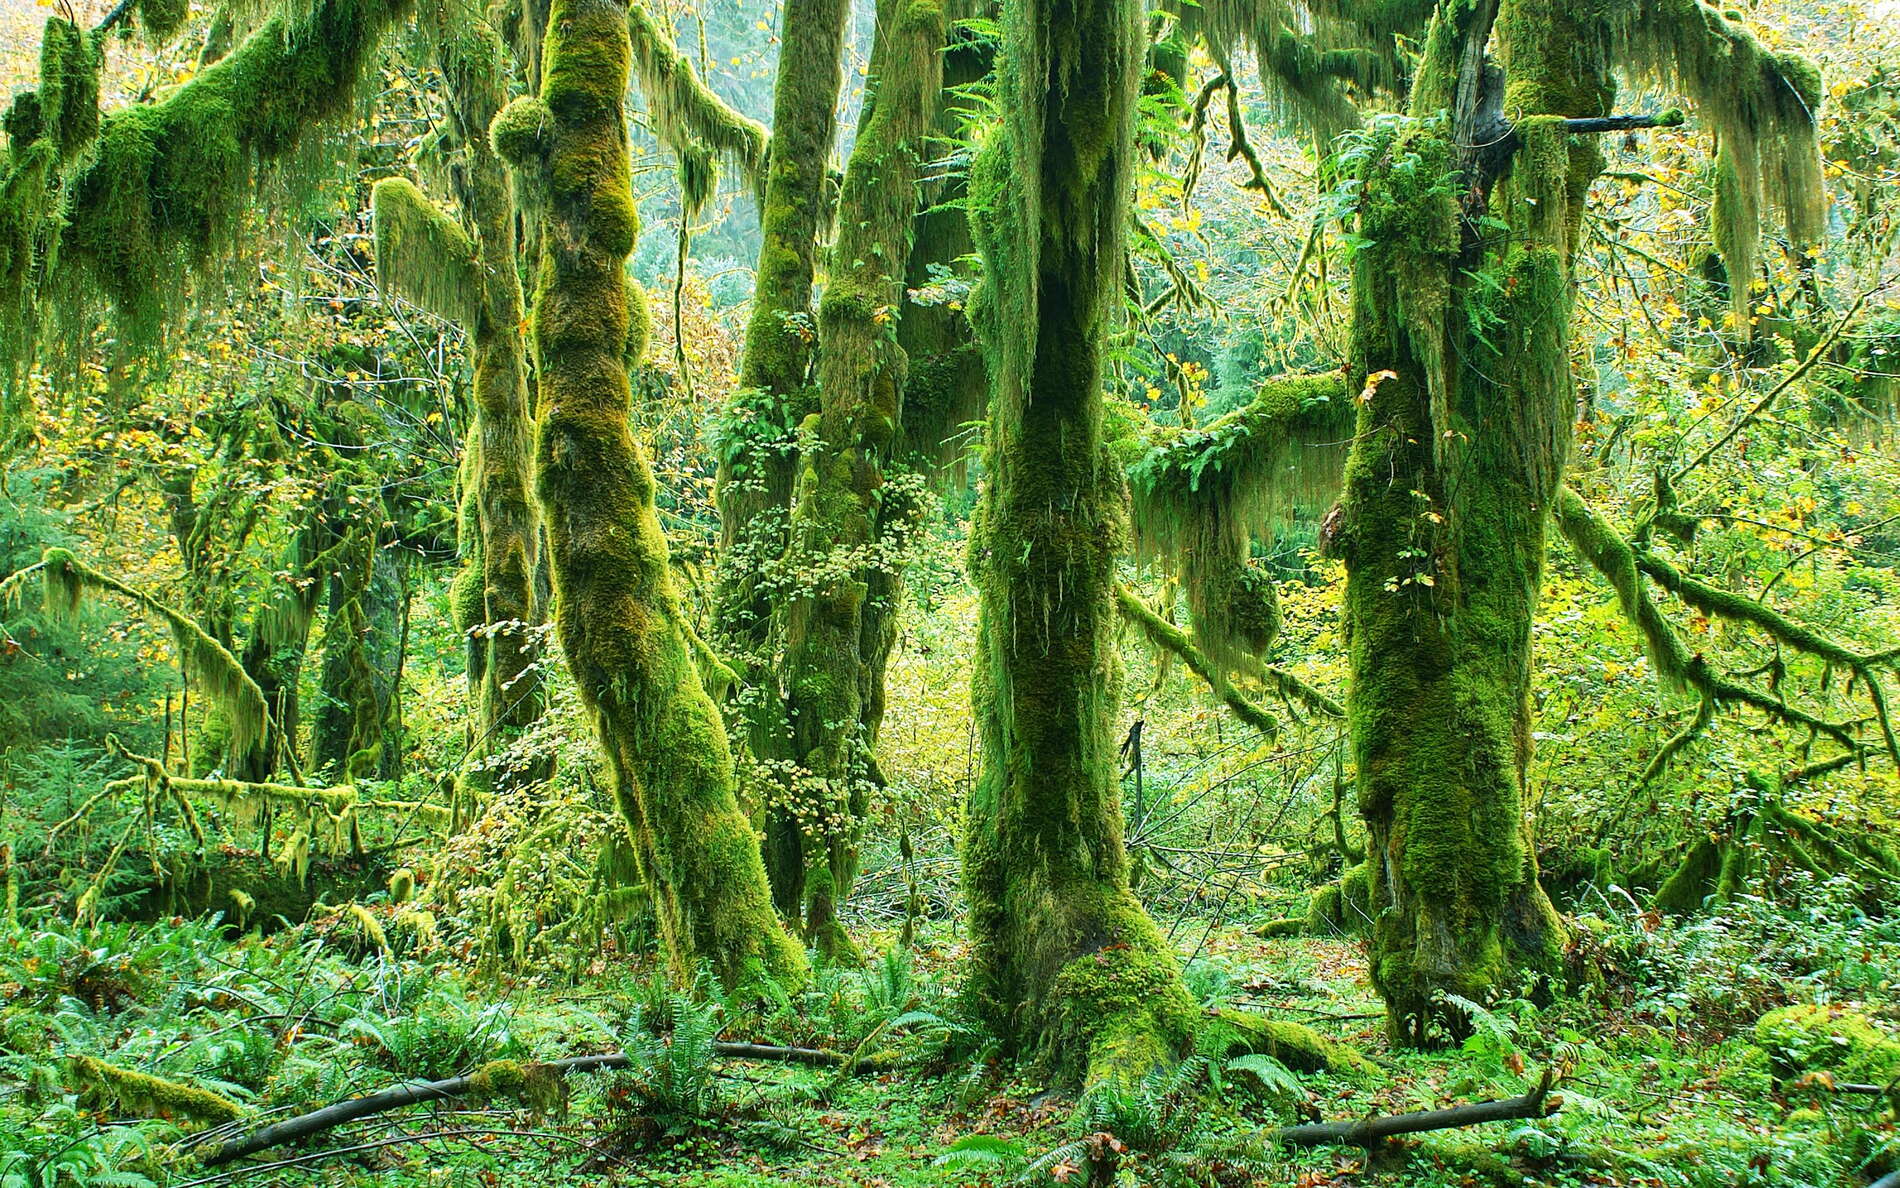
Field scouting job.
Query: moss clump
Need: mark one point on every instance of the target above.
(1343, 908)
(521, 131)
(69, 87)
(162, 19)
(149, 1096)
(1293, 1044)
(617, 611)
(423, 253)
(1828, 1038)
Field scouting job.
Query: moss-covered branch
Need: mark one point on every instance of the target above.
(1165, 635)
(686, 113)
(168, 183)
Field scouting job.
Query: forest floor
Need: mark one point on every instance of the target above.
(1660, 1082)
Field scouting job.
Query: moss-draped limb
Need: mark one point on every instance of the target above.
(755, 478)
(1065, 960)
(67, 580)
(1600, 544)
(845, 546)
(1763, 106)
(168, 182)
(686, 113)
(422, 253)
(1202, 495)
(1167, 636)
(617, 612)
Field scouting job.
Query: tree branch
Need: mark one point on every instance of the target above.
(336, 1114)
(1164, 634)
(1364, 1132)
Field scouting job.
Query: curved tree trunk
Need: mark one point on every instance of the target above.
(1065, 958)
(617, 612)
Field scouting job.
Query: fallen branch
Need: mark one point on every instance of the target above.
(497, 1076)
(1364, 1132)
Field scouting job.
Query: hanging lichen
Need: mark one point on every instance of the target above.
(617, 612)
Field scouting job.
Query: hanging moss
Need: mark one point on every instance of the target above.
(168, 182)
(617, 612)
(688, 116)
(67, 582)
(69, 87)
(148, 1096)
(162, 19)
(1763, 106)
(423, 253)
(1201, 496)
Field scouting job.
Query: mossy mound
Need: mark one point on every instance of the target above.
(1829, 1039)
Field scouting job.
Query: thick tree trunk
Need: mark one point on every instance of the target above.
(617, 611)
(1462, 350)
(847, 525)
(355, 720)
(1065, 959)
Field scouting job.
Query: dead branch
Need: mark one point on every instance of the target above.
(336, 1114)
(1365, 1132)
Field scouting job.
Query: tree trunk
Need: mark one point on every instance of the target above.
(1461, 346)
(1065, 959)
(848, 526)
(617, 612)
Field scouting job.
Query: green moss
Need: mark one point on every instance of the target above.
(1343, 908)
(691, 120)
(617, 611)
(1830, 1038)
(169, 181)
(423, 254)
(848, 523)
(521, 131)
(148, 1096)
(162, 19)
(1293, 1044)
(69, 87)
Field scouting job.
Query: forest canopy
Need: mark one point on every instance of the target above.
(965, 592)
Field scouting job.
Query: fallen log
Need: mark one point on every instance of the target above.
(495, 1077)
(1365, 1132)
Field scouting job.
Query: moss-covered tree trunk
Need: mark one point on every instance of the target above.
(756, 466)
(846, 526)
(1065, 958)
(1461, 342)
(756, 462)
(507, 530)
(355, 721)
(616, 609)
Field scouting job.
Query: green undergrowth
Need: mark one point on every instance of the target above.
(116, 1041)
